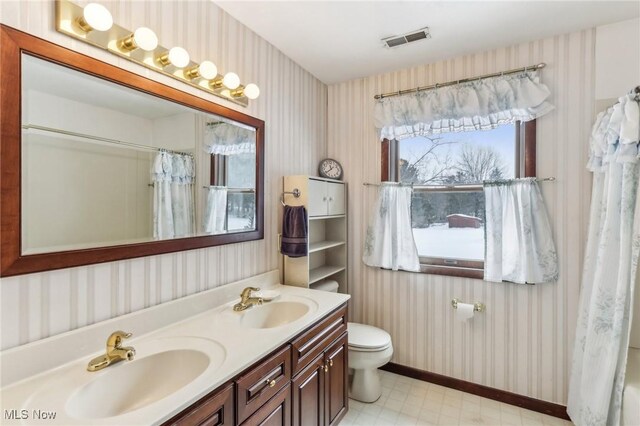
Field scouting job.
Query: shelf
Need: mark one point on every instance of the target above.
(323, 245)
(327, 217)
(323, 272)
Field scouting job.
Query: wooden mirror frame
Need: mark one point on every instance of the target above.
(13, 44)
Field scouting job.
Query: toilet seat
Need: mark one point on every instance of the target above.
(365, 338)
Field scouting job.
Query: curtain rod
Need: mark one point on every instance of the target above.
(100, 139)
(455, 185)
(464, 80)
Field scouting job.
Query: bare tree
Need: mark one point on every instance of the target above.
(428, 166)
(478, 163)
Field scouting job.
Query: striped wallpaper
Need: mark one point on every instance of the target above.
(292, 104)
(523, 342)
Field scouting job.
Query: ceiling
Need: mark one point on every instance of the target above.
(340, 40)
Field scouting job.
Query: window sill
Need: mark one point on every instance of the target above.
(452, 271)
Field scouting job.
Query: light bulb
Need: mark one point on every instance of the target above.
(95, 17)
(208, 70)
(146, 39)
(252, 91)
(142, 38)
(231, 80)
(176, 56)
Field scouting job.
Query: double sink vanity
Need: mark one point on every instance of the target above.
(192, 361)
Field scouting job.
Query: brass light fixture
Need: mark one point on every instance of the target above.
(143, 38)
(94, 17)
(94, 24)
(206, 70)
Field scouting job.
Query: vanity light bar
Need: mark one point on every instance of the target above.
(95, 26)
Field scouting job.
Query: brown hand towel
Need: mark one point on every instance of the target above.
(294, 231)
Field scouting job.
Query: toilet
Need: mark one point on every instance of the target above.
(369, 349)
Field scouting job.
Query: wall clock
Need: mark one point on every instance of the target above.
(330, 168)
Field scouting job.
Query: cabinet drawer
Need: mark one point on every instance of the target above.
(262, 382)
(213, 410)
(276, 412)
(314, 341)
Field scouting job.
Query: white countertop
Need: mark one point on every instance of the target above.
(36, 379)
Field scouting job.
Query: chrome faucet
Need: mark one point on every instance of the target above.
(246, 301)
(115, 352)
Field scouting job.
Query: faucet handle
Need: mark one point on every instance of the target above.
(115, 338)
(246, 293)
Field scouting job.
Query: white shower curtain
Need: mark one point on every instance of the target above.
(173, 204)
(215, 211)
(389, 242)
(519, 244)
(611, 260)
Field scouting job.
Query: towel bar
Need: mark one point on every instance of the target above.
(296, 193)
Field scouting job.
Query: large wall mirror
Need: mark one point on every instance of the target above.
(101, 164)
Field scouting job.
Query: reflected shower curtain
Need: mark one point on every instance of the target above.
(389, 242)
(173, 203)
(611, 260)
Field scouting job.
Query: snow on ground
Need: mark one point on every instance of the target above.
(439, 240)
(237, 223)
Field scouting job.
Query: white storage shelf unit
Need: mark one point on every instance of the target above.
(326, 204)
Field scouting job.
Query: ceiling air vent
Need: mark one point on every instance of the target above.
(395, 41)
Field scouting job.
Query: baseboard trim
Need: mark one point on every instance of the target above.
(522, 401)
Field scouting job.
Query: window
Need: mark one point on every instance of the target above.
(237, 173)
(448, 203)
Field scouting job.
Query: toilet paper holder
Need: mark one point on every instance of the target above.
(477, 307)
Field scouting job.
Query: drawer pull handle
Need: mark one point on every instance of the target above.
(271, 383)
(326, 368)
(330, 363)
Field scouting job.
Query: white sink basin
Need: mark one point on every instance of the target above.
(273, 314)
(135, 384)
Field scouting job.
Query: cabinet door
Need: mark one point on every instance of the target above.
(336, 198)
(308, 394)
(317, 198)
(276, 412)
(336, 392)
(215, 409)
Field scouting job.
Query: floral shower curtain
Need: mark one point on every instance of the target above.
(611, 260)
(173, 203)
(389, 242)
(518, 241)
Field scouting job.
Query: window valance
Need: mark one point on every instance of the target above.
(477, 105)
(229, 139)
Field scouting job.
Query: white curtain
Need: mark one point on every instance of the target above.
(173, 204)
(389, 242)
(519, 244)
(215, 211)
(611, 260)
(477, 105)
(229, 139)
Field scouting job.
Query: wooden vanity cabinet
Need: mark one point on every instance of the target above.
(303, 383)
(276, 412)
(215, 409)
(319, 386)
(257, 386)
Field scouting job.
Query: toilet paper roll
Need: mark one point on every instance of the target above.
(464, 312)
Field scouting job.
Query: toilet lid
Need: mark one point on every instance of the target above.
(367, 337)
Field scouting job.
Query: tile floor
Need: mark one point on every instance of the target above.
(407, 401)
